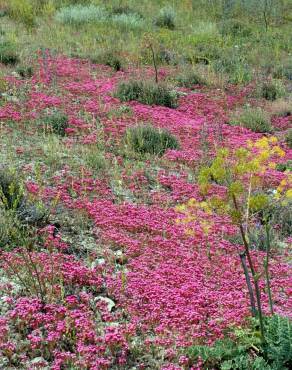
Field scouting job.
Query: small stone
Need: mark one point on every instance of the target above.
(110, 303)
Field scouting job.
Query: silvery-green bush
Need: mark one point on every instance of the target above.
(130, 21)
(79, 14)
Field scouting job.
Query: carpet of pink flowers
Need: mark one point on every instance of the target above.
(169, 289)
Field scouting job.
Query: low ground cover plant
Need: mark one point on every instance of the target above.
(148, 139)
(254, 119)
(166, 18)
(56, 122)
(8, 55)
(147, 93)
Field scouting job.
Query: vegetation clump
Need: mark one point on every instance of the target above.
(190, 79)
(109, 58)
(25, 71)
(81, 14)
(8, 55)
(166, 18)
(235, 28)
(272, 90)
(289, 138)
(14, 205)
(238, 354)
(254, 119)
(147, 93)
(57, 123)
(148, 139)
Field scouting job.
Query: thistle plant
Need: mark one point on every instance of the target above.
(242, 172)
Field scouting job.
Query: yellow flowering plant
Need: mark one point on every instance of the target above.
(242, 173)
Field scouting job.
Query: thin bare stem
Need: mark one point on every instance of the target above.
(248, 283)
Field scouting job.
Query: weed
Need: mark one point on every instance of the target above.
(280, 108)
(22, 11)
(11, 191)
(288, 138)
(25, 71)
(235, 28)
(235, 66)
(272, 90)
(8, 55)
(148, 139)
(166, 18)
(286, 166)
(128, 21)
(109, 58)
(254, 119)
(283, 71)
(147, 93)
(79, 14)
(190, 78)
(56, 122)
(237, 354)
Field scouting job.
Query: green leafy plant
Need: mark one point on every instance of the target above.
(81, 14)
(254, 119)
(283, 71)
(235, 66)
(109, 58)
(56, 122)
(13, 200)
(147, 93)
(166, 18)
(235, 28)
(286, 166)
(245, 351)
(8, 55)
(22, 11)
(148, 139)
(190, 78)
(11, 190)
(272, 90)
(288, 138)
(25, 71)
(279, 342)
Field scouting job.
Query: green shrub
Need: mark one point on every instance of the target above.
(190, 79)
(80, 14)
(272, 90)
(8, 55)
(25, 71)
(56, 122)
(109, 58)
(124, 9)
(148, 139)
(283, 71)
(235, 28)
(147, 93)
(128, 21)
(14, 204)
(22, 11)
(12, 232)
(238, 354)
(11, 190)
(254, 119)
(289, 138)
(166, 18)
(235, 67)
(166, 56)
(282, 167)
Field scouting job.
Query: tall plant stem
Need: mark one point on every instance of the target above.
(266, 265)
(154, 63)
(248, 283)
(253, 271)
